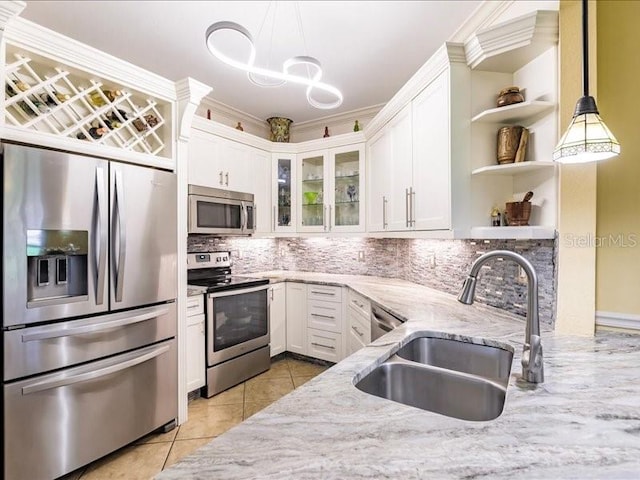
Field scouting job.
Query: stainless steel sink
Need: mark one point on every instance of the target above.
(449, 377)
(486, 361)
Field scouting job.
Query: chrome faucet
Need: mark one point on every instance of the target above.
(532, 369)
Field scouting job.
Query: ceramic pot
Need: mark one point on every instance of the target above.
(509, 96)
(279, 129)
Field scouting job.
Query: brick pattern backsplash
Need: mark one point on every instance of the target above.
(440, 264)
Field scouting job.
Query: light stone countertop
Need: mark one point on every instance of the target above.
(583, 422)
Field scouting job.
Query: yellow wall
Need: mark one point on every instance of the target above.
(618, 184)
(577, 186)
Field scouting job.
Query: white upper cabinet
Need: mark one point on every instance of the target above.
(284, 169)
(258, 175)
(331, 190)
(418, 162)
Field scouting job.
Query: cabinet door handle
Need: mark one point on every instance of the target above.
(355, 329)
(324, 218)
(221, 177)
(322, 316)
(413, 206)
(274, 218)
(330, 218)
(323, 293)
(226, 182)
(406, 207)
(384, 212)
(323, 346)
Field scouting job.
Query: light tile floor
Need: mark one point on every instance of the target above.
(208, 418)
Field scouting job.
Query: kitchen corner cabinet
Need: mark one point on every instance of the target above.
(418, 164)
(277, 318)
(296, 318)
(196, 362)
(284, 192)
(331, 190)
(359, 322)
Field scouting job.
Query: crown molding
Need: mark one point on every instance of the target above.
(508, 46)
(220, 130)
(318, 124)
(9, 10)
(448, 54)
(40, 40)
(484, 15)
(228, 113)
(189, 93)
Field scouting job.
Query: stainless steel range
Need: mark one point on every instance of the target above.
(237, 319)
(89, 313)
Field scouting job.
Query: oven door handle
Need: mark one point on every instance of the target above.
(238, 291)
(63, 380)
(117, 321)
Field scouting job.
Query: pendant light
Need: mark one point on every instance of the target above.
(587, 139)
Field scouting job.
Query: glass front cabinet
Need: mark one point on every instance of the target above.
(284, 192)
(331, 188)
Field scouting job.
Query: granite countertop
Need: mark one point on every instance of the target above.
(582, 422)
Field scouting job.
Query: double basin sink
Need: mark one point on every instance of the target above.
(463, 380)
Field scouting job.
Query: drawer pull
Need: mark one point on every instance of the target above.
(323, 346)
(332, 294)
(357, 331)
(322, 316)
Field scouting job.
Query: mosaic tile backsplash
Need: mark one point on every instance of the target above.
(440, 264)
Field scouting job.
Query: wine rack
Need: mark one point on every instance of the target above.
(66, 102)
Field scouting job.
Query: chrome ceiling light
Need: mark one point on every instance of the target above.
(266, 77)
(587, 139)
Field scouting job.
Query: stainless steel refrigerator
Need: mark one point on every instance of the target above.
(89, 312)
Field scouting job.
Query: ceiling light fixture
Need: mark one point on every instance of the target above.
(587, 139)
(255, 73)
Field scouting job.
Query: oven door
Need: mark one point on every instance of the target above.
(216, 215)
(237, 322)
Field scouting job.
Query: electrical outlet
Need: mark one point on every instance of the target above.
(361, 256)
(282, 252)
(431, 260)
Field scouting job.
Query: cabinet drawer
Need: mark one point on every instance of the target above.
(324, 315)
(324, 345)
(324, 292)
(195, 305)
(359, 325)
(359, 302)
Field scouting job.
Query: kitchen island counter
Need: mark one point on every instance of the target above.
(582, 422)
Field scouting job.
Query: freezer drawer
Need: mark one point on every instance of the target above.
(35, 350)
(59, 422)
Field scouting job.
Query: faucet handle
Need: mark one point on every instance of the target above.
(532, 367)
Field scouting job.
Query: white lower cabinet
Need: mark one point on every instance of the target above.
(296, 323)
(196, 368)
(277, 318)
(324, 345)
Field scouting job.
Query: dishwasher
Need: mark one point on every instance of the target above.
(382, 321)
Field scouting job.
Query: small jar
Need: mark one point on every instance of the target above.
(509, 96)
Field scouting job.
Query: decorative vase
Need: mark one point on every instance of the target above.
(512, 144)
(279, 129)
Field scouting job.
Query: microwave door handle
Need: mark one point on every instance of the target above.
(122, 240)
(103, 225)
(245, 216)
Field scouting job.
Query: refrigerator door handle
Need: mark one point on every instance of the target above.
(119, 320)
(122, 240)
(102, 222)
(62, 380)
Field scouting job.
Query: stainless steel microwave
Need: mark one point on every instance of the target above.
(220, 212)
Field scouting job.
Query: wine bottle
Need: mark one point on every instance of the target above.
(95, 132)
(114, 118)
(151, 120)
(9, 90)
(111, 124)
(20, 85)
(96, 99)
(112, 94)
(42, 108)
(140, 125)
